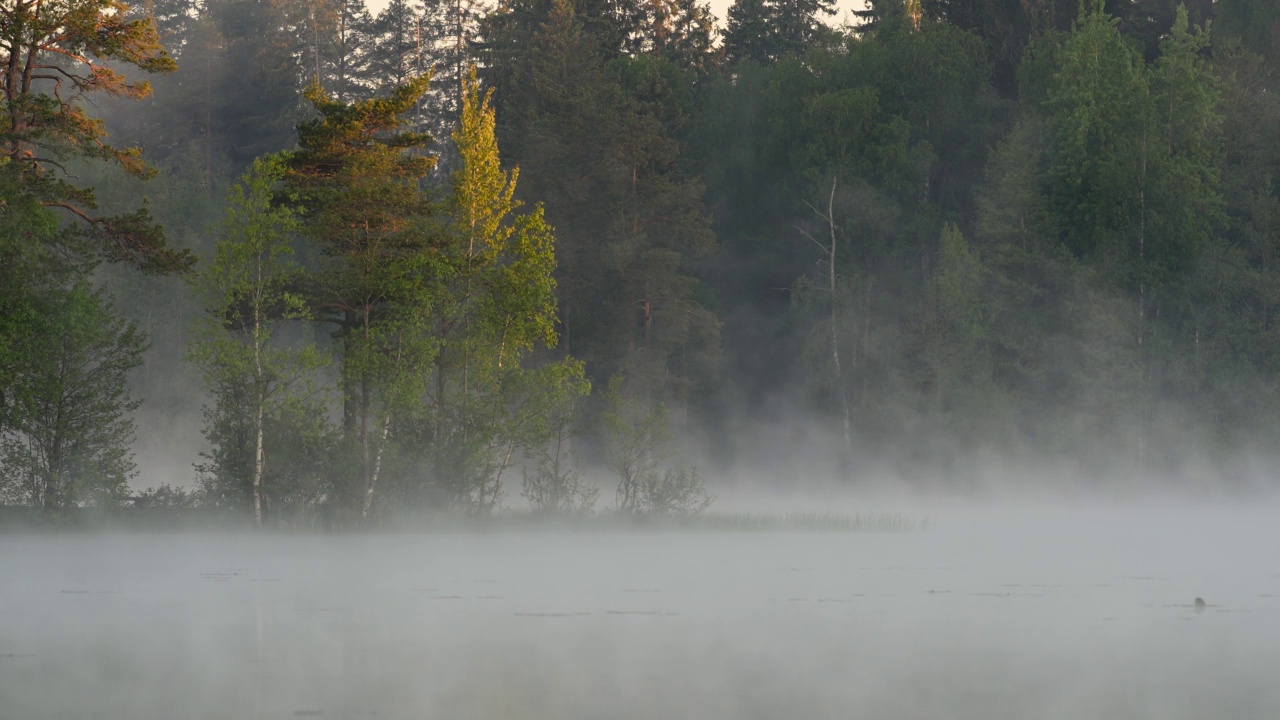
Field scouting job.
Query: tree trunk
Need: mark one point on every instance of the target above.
(1142, 312)
(835, 327)
(366, 407)
(377, 468)
(259, 461)
(260, 383)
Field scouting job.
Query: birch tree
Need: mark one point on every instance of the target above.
(485, 405)
(248, 292)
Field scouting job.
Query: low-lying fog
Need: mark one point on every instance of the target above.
(1017, 613)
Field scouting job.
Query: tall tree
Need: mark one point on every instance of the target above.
(253, 74)
(765, 31)
(52, 58)
(682, 31)
(600, 142)
(247, 292)
(497, 305)
(345, 47)
(399, 49)
(68, 435)
(1256, 23)
(747, 32)
(446, 31)
(357, 177)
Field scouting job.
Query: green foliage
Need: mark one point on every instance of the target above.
(1100, 112)
(552, 481)
(67, 438)
(167, 497)
(27, 234)
(1043, 236)
(356, 182)
(1255, 23)
(488, 405)
(76, 49)
(638, 449)
(951, 323)
(597, 133)
(249, 296)
(765, 31)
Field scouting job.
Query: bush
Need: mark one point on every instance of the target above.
(638, 450)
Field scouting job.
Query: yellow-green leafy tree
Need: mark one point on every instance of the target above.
(489, 404)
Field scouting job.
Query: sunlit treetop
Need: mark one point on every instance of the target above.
(54, 54)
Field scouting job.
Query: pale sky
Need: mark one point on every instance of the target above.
(718, 7)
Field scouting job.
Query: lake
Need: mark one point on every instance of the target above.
(1012, 612)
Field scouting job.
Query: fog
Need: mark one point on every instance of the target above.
(1020, 611)
(896, 399)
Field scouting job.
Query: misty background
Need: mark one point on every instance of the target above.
(719, 361)
(951, 246)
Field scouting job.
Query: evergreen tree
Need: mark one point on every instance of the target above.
(253, 68)
(764, 31)
(357, 181)
(399, 50)
(347, 51)
(55, 59)
(951, 325)
(748, 31)
(600, 144)
(682, 31)
(1256, 23)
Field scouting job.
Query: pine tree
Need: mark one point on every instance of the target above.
(357, 178)
(682, 31)
(399, 50)
(600, 144)
(765, 31)
(254, 68)
(748, 32)
(55, 59)
(347, 47)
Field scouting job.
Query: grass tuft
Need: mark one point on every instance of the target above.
(813, 521)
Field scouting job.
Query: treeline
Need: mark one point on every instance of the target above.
(957, 227)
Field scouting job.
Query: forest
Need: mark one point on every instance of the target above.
(317, 261)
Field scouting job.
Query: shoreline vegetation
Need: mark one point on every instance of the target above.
(350, 265)
(20, 520)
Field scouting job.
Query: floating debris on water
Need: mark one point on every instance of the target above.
(552, 614)
(640, 612)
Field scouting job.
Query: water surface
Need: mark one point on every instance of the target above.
(1015, 613)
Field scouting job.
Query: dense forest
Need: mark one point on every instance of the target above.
(318, 260)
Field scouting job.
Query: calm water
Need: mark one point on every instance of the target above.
(994, 614)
